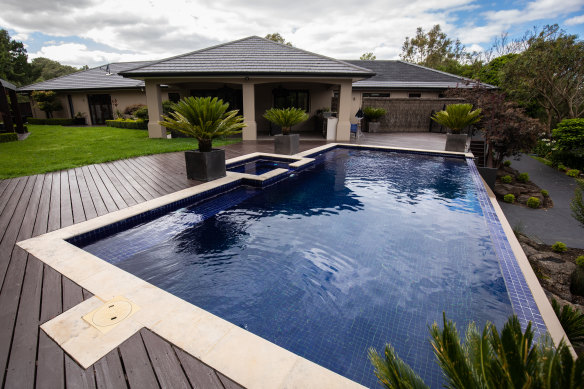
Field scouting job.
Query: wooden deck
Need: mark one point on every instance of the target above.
(32, 293)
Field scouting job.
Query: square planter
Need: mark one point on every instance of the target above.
(373, 126)
(456, 142)
(286, 144)
(205, 166)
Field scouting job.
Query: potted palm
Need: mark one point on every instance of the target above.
(204, 119)
(285, 118)
(456, 117)
(373, 115)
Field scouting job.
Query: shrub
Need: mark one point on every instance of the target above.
(47, 101)
(523, 177)
(127, 123)
(487, 359)
(572, 321)
(577, 281)
(51, 121)
(130, 109)
(559, 247)
(577, 204)
(507, 163)
(533, 202)
(562, 167)
(373, 114)
(509, 198)
(580, 261)
(141, 113)
(507, 179)
(573, 173)
(167, 107)
(545, 193)
(8, 137)
(569, 134)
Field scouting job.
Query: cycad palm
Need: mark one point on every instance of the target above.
(203, 118)
(286, 117)
(488, 360)
(457, 116)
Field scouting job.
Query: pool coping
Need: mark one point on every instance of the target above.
(242, 356)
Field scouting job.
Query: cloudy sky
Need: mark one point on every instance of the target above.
(94, 32)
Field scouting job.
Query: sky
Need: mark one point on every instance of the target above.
(95, 32)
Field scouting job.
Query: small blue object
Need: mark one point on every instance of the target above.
(353, 127)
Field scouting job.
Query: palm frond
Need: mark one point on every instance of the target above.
(457, 116)
(393, 372)
(203, 118)
(571, 320)
(286, 117)
(451, 356)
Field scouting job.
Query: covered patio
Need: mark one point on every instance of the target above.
(254, 74)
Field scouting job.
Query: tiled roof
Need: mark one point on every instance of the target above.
(252, 55)
(7, 85)
(400, 74)
(96, 78)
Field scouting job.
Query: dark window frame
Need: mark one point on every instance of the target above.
(377, 94)
(286, 98)
(414, 95)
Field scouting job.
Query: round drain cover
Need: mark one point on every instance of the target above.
(111, 313)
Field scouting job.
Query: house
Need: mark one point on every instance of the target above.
(254, 74)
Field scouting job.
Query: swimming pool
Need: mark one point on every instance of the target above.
(364, 247)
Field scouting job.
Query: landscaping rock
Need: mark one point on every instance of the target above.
(521, 190)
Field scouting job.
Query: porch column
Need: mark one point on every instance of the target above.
(251, 131)
(154, 102)
(344, 125)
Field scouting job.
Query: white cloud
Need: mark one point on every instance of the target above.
(575, 20)
(76, 54)
(341, 28)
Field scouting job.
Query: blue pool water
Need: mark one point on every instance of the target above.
(363, 248)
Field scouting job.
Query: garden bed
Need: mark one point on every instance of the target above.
(523, 191)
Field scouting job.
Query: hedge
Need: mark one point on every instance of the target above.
(52, 121)
(8, 137)
(131, 124)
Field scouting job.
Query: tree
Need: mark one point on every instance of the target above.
(550, 72)
(276, 37)
(204, 119)
(487, 359)
(45, 69)
(13, 60)
(507, 129)
(491, 72)
(368, 57)
(47, 101)
(433, 49)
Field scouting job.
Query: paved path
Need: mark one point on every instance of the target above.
(554, 224)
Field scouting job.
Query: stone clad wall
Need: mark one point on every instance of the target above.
(407, 115)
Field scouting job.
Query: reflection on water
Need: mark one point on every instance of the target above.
(364, 248)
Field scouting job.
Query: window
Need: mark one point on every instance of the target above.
(174, 97)
(285, 98)
(441, 95)
(414, 95)
(376, 94)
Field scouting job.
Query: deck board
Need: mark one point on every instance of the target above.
(32, 293)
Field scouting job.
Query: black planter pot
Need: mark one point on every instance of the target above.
(206, 166)
(456, 142)
(79, 121)
(286, 144)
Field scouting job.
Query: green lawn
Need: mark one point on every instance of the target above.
(50, 148)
